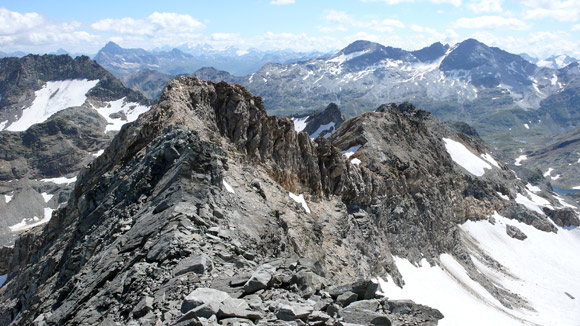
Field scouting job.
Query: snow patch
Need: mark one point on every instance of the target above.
(61, 180)
(526, 126)
(490, 159)
(47, 197)
(99, 153)
(533, 188)
(547, 173)
(465, 158)
(533, 202)
(327, 127)
(300, 200)
(8, 198)
(299, 123)
(519, 160)
(349, 152)
(29, 223)
(53, 97)
(228, 187)
(355, 161)
(504, 197)
(123, 112)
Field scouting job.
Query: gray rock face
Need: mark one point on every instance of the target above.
(515, 232)
(156, 202)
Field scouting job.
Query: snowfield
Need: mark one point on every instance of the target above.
(465, 158)
(54, 96)
(543, 269)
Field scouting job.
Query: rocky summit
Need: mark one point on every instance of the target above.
(207, 211)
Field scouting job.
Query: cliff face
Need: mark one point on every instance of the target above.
(198, 193)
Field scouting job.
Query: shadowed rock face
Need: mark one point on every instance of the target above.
(159, 197)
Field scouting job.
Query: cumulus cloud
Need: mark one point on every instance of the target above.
(31, 31)
(341, 21)
(562, 10)
(282, 2)
(480, 6)
(491, 22)
(536, 44)
(156, 23)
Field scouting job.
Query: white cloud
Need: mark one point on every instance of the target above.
(32, 32)
(341, 20)
(154, 24)
(562, 10)
(480, 6)
(455, 3)
(491, 22)
(282, 2)
(576, 28)
(536, 44)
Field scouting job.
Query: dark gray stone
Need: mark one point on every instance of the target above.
(346, 298)
(198, 264)
(515, 232)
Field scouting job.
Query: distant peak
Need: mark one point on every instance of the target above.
(361, 45)
(112, 47)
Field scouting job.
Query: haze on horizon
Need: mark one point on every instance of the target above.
(540, 28)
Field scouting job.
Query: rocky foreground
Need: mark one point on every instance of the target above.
(208, 211)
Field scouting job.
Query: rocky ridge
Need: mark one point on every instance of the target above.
(194, 197)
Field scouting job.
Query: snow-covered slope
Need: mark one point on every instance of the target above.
(54, 96)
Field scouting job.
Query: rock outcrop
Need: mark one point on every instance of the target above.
(189, 217)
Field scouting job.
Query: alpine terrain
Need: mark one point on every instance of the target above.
(56, 115)
(205, 210)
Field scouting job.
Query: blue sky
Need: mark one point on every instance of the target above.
(538, 27)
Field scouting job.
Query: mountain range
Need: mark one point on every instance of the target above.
(205, 210)
(186, 59)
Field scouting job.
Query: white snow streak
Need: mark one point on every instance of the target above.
(329, 126)
(228, 187)
(519, 160)
(29, 223)
(8, 198)
(61, 180)
(300, 200)
(490, 159)
(465, 158)
(47, 197)
(99, 153)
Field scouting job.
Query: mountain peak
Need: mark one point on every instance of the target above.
(361, 45)
(112, 47)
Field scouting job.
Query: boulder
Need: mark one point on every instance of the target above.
(260, 279)
(203, 296)
(346, 298)
(198, 264)
(515, 232)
